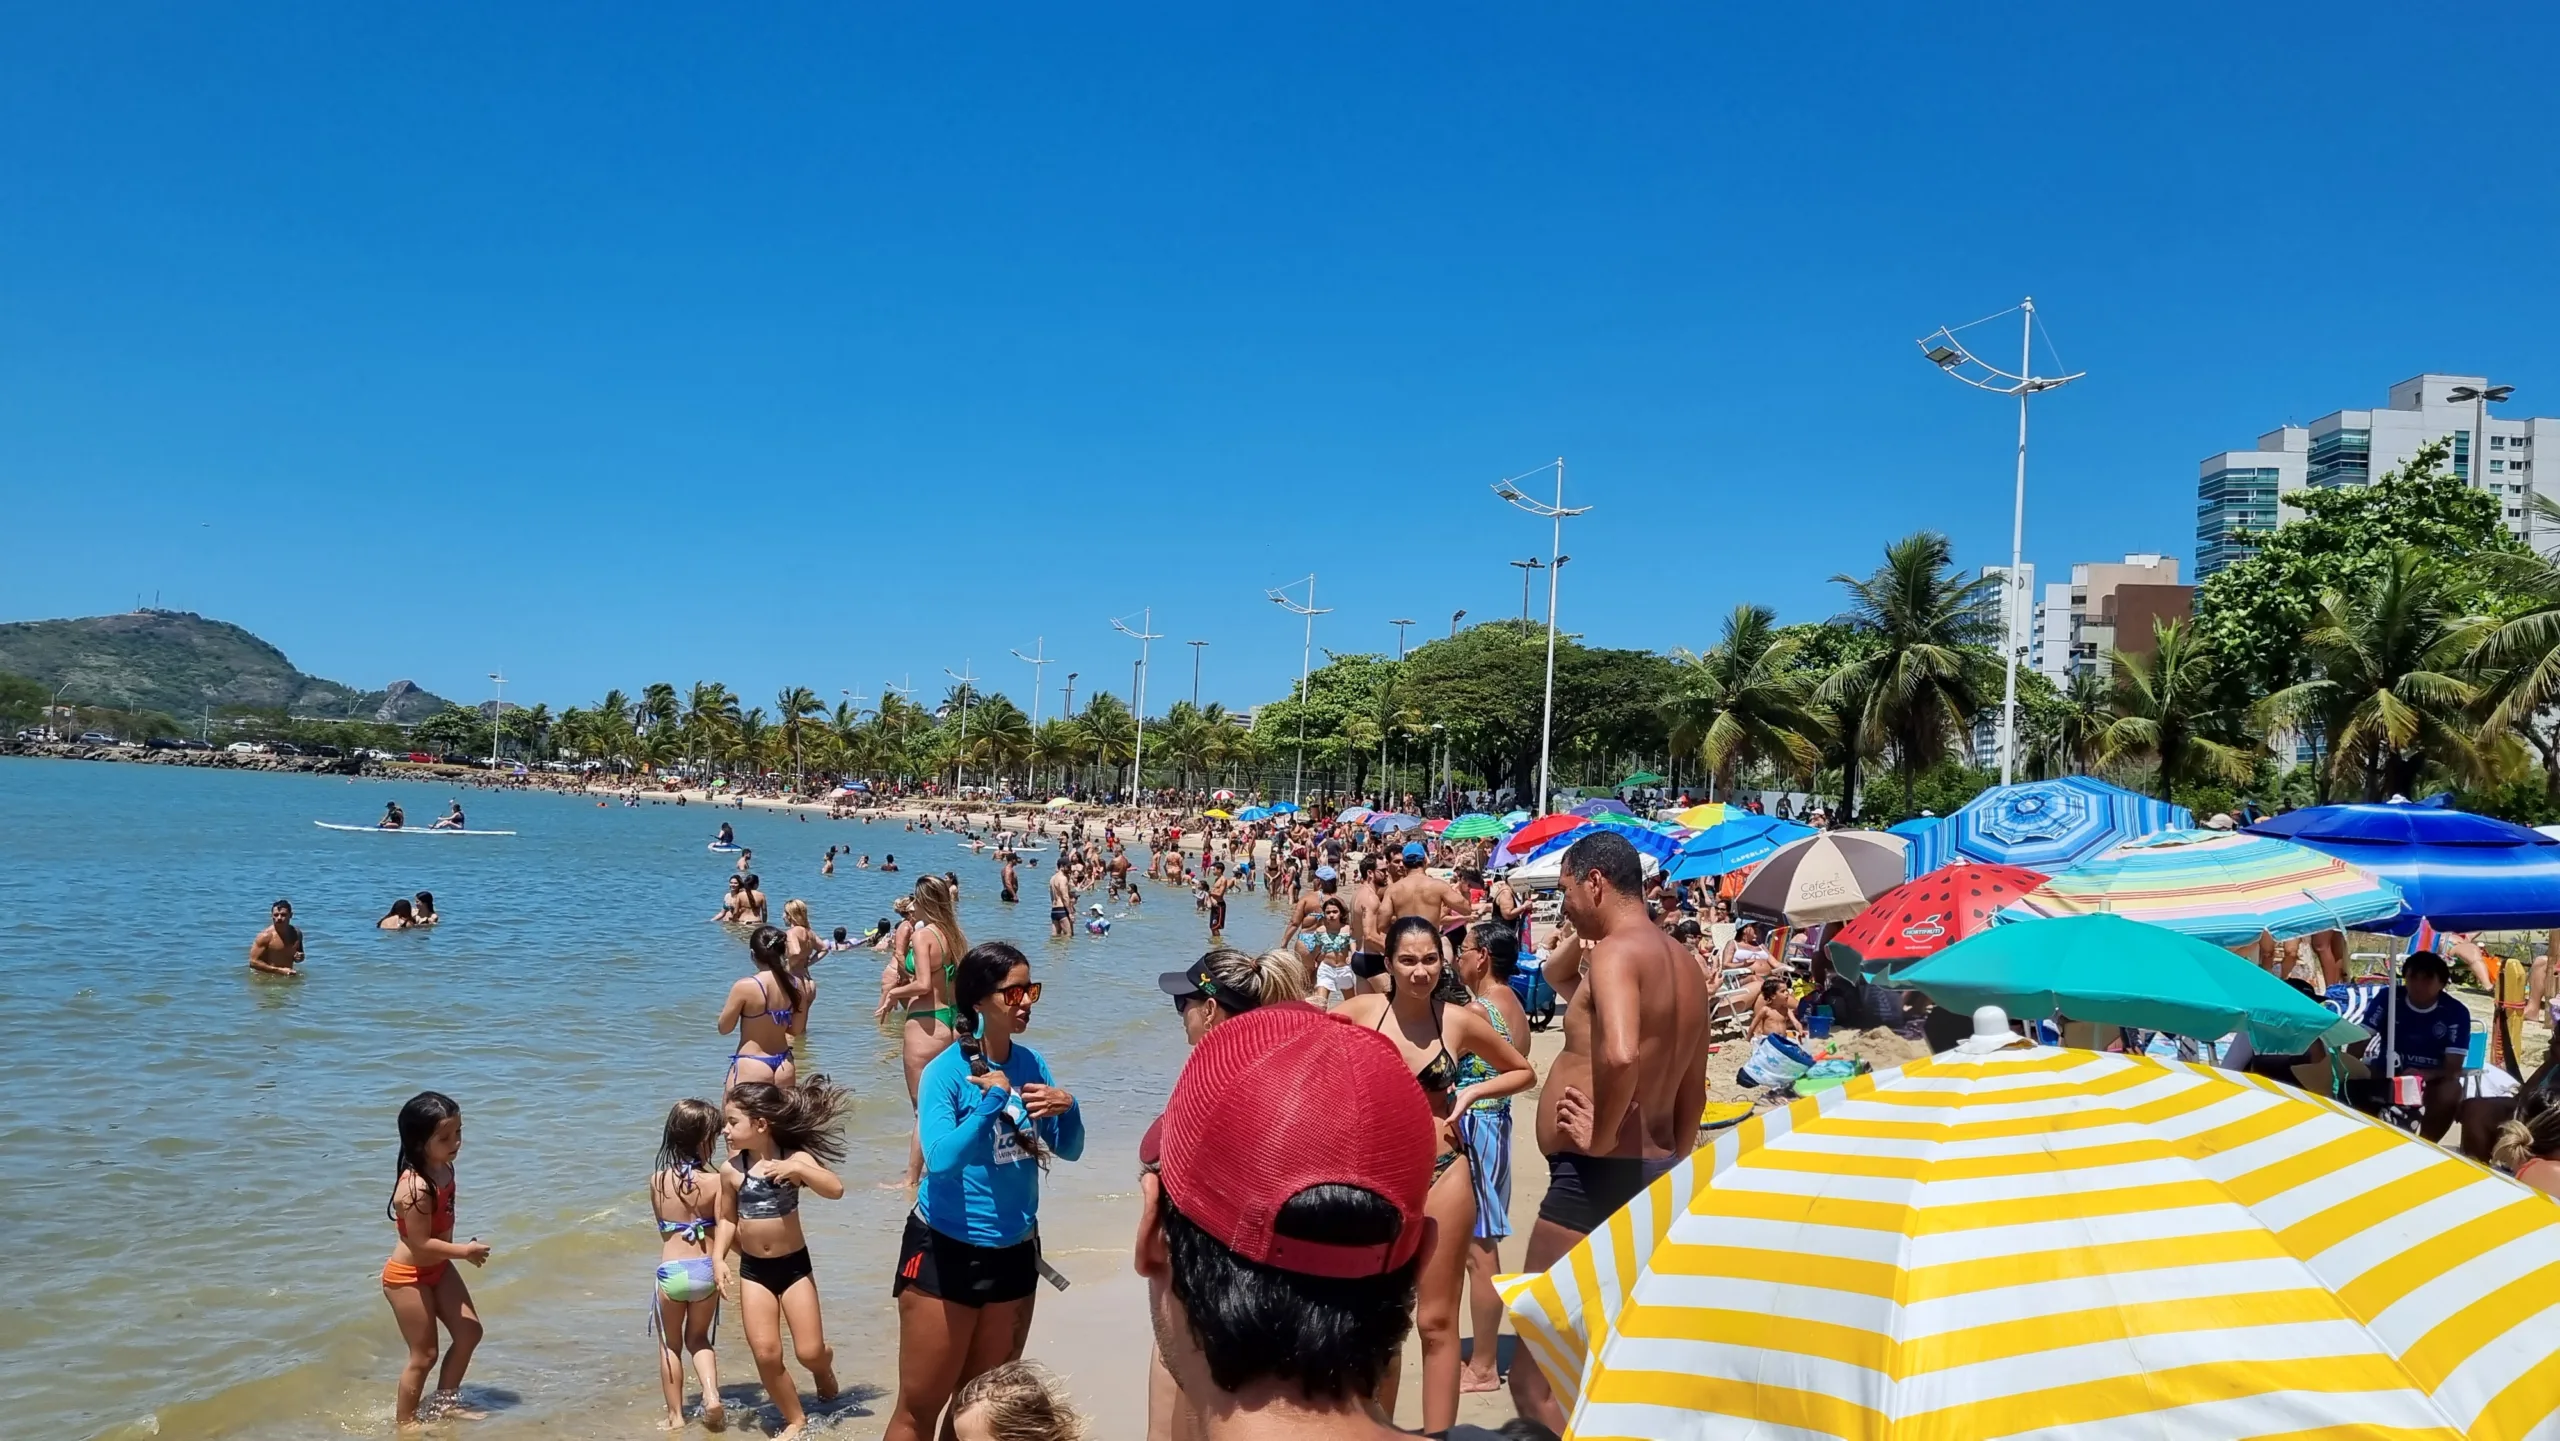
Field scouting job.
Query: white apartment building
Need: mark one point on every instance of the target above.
(2241, 489)
(2076, 625)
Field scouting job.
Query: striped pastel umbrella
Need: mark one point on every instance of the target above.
(2046, 826)
(1647, 840)
(2031, 1241)
(2218, 886)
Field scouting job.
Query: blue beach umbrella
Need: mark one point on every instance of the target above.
(2046, 826)
(1743, 841)
(1254, 813)
(1285, 808)
(1516, 818)
(1644, 838)
(2463, 872)
(1389, 824)
(1590, 810)
(1916, 827)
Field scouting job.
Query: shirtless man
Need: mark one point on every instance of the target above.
(1417, 892)
(1062, 899)
(1620, 1105)
(1218, 884)
(278, 949)
(1119, 868)
(1369, 926)
(1011, 881)
(1310, 907)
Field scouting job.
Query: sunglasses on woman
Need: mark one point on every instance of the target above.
(1026, 994)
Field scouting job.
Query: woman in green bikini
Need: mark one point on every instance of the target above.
(934, 948)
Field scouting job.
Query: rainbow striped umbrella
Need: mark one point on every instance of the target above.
(2218, 886)
(2058, 1243)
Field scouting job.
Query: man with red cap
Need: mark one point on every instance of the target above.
(1281, 1224)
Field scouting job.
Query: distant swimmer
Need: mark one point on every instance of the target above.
(888, 863)
(278, 949)
(391, 820)
(425, 911)
(746, 860)
(1097, 923)
(401, 917)
(864, 863)
(830, 867)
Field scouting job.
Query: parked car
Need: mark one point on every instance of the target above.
(244, 748)
(421, 758)
(195, 745)
(96, 738)
(330, 751)
(164, 743)
(36, 733)
(283, 748)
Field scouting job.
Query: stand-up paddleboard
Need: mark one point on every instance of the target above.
(410, 830)
(724, 850)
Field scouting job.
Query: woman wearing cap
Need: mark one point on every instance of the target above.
(989, 1116)
(1226, 982)
(1431, 1035)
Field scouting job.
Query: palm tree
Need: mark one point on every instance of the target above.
(1058, 744)
(710, 715)
(2394, 692)
(999, 734)
(1742, 702)
(2520, 659)
(795, 707)
(658, 707)
(1107, 720)
(1920, 681)
(2165, 712)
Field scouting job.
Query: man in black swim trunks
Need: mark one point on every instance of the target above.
(1612, 1116)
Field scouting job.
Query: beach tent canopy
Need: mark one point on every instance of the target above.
(2217, 886)
(2057, 1243)
(2464, 872)
(2047, 826)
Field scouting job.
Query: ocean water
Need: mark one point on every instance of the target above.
(194, 1160)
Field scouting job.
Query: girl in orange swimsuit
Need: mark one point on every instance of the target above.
(419, 1280)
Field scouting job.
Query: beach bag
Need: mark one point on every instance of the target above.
(1774, 1061)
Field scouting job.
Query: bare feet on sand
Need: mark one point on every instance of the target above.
(1470, 1379)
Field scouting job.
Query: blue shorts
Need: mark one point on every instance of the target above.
(1488, 1138)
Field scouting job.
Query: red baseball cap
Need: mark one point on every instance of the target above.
(1282, 1099)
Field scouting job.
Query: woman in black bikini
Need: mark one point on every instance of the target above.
(1432, 1034)
(766, 1009)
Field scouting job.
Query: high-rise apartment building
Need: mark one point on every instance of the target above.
(2107, 606)
(2242, 489)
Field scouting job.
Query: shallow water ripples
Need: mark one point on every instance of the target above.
(194, 1161)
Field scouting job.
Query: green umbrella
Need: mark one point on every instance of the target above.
(1640, 778)
(2116, 972)
(1473, 826)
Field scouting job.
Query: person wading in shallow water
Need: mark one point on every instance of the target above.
(277, 951)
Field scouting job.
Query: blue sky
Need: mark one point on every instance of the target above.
(613, 344)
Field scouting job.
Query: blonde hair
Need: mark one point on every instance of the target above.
(2534, 1134)
(934, 908)
(1269, 977)
(1023, 1403)
(796, 911)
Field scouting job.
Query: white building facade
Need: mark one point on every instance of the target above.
(2242, 489)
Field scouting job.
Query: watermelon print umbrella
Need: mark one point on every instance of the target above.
(1918, 919)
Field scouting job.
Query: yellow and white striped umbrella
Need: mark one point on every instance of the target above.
(2060, 1244)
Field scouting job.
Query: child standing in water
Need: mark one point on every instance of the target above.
(779, 1144)
(419, 1280)
(684, 1195)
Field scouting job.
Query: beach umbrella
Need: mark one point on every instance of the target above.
(1647, 841)
(1536, 833)
(1254, 813)
(2116, 971)
(1830, 876)
(2045, 826)
(1514, 818)
(1709, 815)
(1473, 826)
(1922, 917)
(1916, 827)
(1354, 813)
(1392, 822)
(2217, 886)
(1729, 846)
(1216, 815)
(2057, 1243)
(1640, 778)
(1222, 795)
(1285, 808)
(1436, 827)
(1056, 803)
(2461, 871)
(1602, 807)
(1548, 869)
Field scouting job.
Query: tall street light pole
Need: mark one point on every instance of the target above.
(1138, 756)
(1070, 689)
(1455, 616)
(1195, 670)
(1038, 662)
(2481, 396)
(1399, 625)
(497, 714)
(1946, 352)
(1525, 567)
(1306, 656)
(1555, 514)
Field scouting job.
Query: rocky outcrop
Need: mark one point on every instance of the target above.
(219, 760)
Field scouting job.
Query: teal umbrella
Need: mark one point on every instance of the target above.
(1640, 778)
(2116, 972)
(1473, 826)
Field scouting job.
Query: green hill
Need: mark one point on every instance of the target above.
(180, 663)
